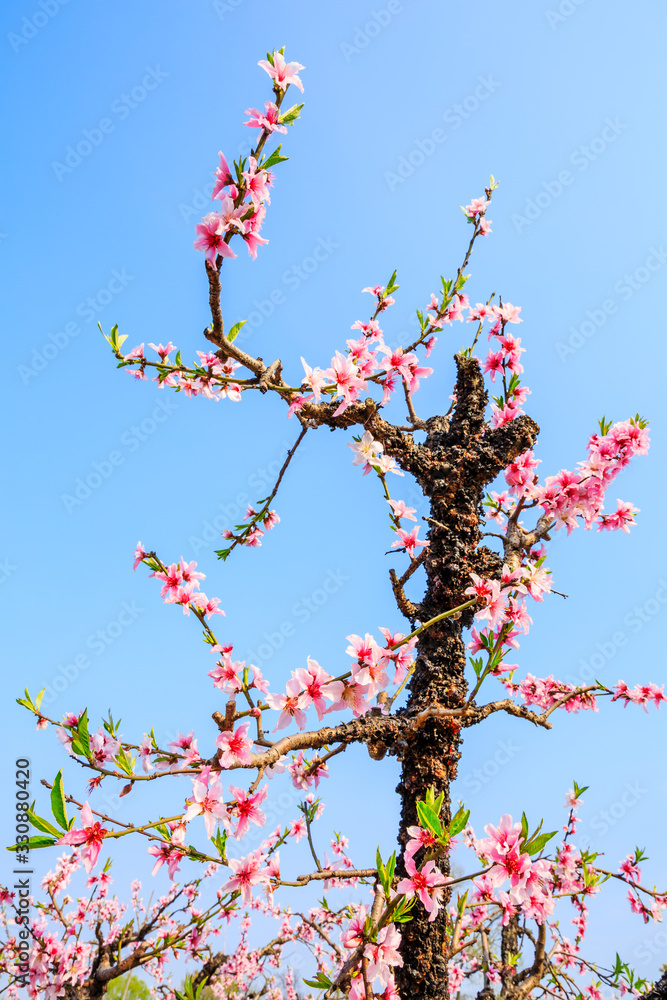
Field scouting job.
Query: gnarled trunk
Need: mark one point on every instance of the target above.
(462, 458)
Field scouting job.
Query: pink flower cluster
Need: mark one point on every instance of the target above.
(475, 212)
(366, 360)
(180, 585)
(213, 378)
(244, 194)
(312, 686)
(568, 496)
(529, 881)
(252, 534)
(382, 955)
(641, 694)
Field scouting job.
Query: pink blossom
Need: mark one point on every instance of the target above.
(348, 383)
(317, 685)
(246, 809)
(315, 378)
(283, 73)
(476, 207)
(164, 352)
(139, 555)
(507, 312)
(426, 883)
(251, 234)
(268, 121)
(207, 605)
(211, 238)
(408, 540)
(171, 853)
(223, 176)
(145, 751)
(234, 746)
(246, 874)
(366, 451)
(207, 802)
(257, 183)
(288, 704)
(419, 837)
(92, 833)
(384, 954)
(622, 518)
(226, 674)
(297, 829)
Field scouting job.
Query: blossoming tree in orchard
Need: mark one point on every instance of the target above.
(515, 921)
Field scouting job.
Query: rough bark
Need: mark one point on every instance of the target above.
(659, 989)
(458, 460)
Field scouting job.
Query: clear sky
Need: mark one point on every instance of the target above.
(565, 106)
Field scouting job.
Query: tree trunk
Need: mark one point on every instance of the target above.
(463, 457)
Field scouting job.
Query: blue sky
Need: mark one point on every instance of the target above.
(410, 106)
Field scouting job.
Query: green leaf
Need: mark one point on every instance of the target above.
(391, 285)
(27, 701)
(385, 873)
(58, 801)
(524, 826)
(402, 914)
(113, 339)
(459, 821)
(391, 866)
(42, 825)
(429, 819)
(220, 841)
(291, 115)
(321, 982)
(538, 844)
(33, 844)
(233, 333)
(124, 762)
(274, 158)
(81, 742)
